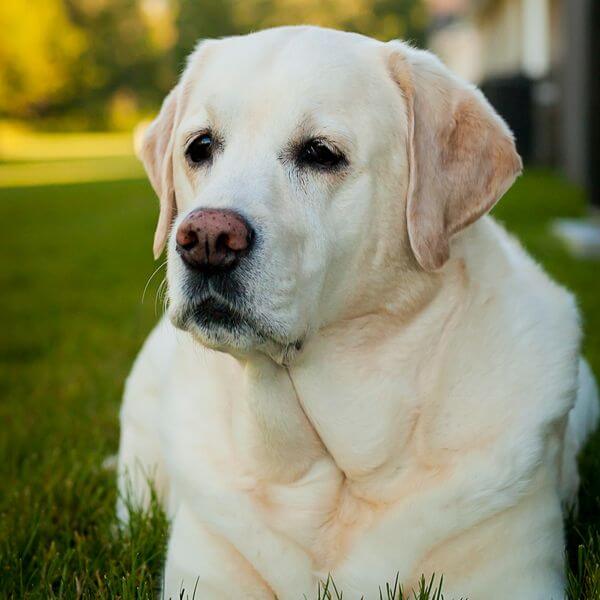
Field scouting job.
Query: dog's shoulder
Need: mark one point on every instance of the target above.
(520, 330)
(512, 292)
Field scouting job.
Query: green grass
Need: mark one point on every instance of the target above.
(74, 260)
(29, 157)
(63, 171)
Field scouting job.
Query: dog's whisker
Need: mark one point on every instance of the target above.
(163, 264)
(165, 296)
(160, 295)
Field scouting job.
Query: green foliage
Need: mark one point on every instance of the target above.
(200, 20)
(74, 260)
(91, 63)
(35, 63)
(383, 19)
(124, 69)
(103, 63)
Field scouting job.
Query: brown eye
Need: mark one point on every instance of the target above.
(316, 153)
(200, 149)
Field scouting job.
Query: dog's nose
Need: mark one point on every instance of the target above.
(213, 240)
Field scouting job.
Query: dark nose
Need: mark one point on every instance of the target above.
(212, 240)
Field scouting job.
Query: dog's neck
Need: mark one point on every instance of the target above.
(355, 393)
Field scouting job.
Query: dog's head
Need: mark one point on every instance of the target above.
(304, 172)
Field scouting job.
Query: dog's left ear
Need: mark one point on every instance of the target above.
(156, 154)
(462, 156)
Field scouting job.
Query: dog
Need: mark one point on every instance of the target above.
(361, 374)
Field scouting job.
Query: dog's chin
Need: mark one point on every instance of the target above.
(220, 326)
(217, 325)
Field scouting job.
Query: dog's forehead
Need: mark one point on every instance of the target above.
(286, 69)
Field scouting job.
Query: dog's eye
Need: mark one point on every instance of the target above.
(200, 149)
(317, 153)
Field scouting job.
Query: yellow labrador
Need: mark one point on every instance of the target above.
(360, 373)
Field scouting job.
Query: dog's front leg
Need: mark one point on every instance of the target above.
(229, 514)
(202, 564)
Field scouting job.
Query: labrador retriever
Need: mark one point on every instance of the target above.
(361, 374)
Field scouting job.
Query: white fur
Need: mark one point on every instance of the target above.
(426, 425)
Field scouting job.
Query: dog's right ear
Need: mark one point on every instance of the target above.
(156, 154)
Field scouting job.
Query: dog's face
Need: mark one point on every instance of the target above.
(302, 172)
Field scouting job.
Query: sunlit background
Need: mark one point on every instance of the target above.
(103, 66)
(79, 291)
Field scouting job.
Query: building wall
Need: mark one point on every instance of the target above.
(548, 43)
(500, 29)
(575, 88)
(518, 37)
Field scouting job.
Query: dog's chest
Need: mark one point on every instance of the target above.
(311, 509)
(221, 435)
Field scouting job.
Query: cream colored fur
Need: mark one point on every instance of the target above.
(421, 402)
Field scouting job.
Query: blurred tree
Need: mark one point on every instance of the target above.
(36, 63)
(383, 19)
(198, 19)
(128, 62)
(98, 61)
(103, 62)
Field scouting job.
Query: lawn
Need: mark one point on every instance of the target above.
(74, 260)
